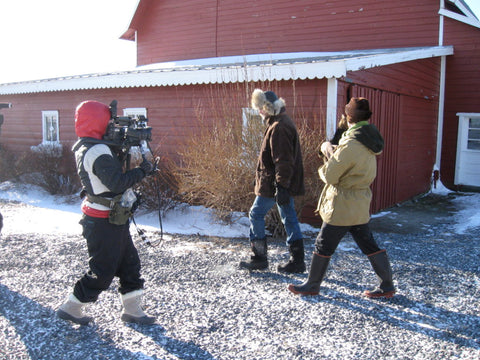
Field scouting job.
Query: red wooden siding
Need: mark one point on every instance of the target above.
(177, 30)
(462, 84)
(173, 112)
(404, 101)
(385, 107)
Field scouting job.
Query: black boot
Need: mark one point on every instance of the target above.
(381, 266)
(259, 259)
(296, 263)
(318, 268)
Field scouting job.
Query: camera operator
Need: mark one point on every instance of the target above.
(110, 247)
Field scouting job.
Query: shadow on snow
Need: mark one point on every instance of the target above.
(47, 337)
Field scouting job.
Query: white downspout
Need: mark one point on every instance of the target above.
(441, 105)
(331, 121)
(441, 101)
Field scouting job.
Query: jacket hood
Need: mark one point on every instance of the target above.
(91, 119)
(369, 136)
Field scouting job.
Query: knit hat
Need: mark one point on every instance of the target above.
(267, 101)
(358, 109)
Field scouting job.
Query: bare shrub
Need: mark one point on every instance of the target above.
(311, 137)
(218, 165)
(219, 162)
(7, 164)
(50, 167)
(160, 191)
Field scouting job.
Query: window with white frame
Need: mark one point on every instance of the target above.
(473, 141)
(135, 112)
(249, 114)
(252, 130)
(50, 126)
(251, 118)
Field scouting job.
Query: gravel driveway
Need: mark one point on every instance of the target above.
(209, 309)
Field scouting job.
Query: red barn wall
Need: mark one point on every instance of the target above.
(404, 101)
(173, 112)
(177, 30)
(461, 94)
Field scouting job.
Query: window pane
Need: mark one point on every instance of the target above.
(50, 123)
(473, 145)
(473, 134)
(474, 123)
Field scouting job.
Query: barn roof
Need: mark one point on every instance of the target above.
(287, 66)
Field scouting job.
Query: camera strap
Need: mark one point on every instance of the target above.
(144, 237)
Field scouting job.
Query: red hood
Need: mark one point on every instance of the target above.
(91, 119)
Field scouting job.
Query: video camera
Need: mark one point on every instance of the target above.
(127, 131)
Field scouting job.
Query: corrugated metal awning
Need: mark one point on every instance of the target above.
(288, 66)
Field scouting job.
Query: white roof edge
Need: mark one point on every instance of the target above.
(468, 114)
(397, 57)
(470, 20)
(464, 8)
(288, 66)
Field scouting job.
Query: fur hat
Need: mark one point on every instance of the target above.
(267, 101)
(358, 109)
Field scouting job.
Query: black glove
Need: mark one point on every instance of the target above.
(282, 196)
(147, 167)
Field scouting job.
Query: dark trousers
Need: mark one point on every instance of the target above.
(112, 253)
(330, 235)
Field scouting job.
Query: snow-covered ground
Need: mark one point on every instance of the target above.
(209, 309)
(62, 215)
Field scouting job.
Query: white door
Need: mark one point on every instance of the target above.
(467, 169)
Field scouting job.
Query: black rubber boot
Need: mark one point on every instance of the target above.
(381, 266)
(259, 259)
(318, 268)
(296, 263)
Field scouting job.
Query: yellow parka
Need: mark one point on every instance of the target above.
(346, 196)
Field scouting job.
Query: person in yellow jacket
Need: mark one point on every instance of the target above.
(344, 204)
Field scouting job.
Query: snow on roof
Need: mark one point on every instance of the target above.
(286, 66)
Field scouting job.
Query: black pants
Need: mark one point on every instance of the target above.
(330, 235)
(112, 253)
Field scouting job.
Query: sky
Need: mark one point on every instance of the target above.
(52, 38)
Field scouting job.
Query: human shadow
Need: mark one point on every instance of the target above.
(182, 350)
(424, 318)
(44, 336)
(400, 311)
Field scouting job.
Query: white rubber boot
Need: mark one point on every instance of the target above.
(72, 310)
(132, 309)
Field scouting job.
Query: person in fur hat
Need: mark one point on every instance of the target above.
(345, 202)
(278, 178)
